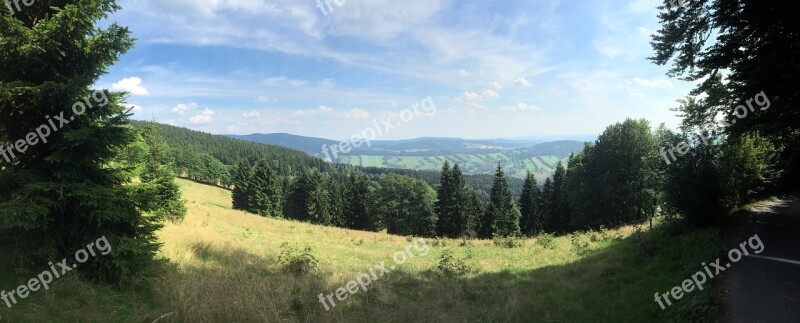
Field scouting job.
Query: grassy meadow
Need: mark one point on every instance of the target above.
(221, 265)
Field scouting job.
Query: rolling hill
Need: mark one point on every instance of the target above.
(474, 156)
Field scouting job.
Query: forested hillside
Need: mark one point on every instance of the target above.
(210, 159)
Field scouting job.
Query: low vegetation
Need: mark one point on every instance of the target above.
(225, 265)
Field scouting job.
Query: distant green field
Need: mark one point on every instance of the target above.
(515, 164)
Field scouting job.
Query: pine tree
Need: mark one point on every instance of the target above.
(475, 213)
(530, 206)
(502, 213)
(549, 223)
(451, 206)
(356, 204)
(242, 175)
(308, 200)
(264, 191)
(57, 196)
(561, 216)
(164, 195)
(443, 194)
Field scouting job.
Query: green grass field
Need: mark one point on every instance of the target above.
(221, 265)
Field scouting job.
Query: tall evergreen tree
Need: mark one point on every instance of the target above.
(549, 220)
(58, 195)
(561, 214)
(502, 213)
(475, 213)
(356, 199)
(242, 195)
(308, 199)
(530, 206)
(265, 189)
(164, 198)
(452, 204)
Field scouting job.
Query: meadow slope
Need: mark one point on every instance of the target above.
(221, 265)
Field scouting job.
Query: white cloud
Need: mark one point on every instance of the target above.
(132, 85)
(206, 117)
(464, 73)
(183, 108)
(523, 107)
(470, 96)
(490, 94)
(262, 99)
(522, 82)
(357, 114)
(251, 114)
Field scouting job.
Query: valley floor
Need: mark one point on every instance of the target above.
(221, 265)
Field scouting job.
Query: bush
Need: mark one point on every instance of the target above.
(580, 247)
(452, 266)
(509, 242)
(545, 240)
(296, 260)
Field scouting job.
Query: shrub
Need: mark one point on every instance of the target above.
(296, 260)
(545, 240)
(509, 242)
(452, 266)
(580, 247)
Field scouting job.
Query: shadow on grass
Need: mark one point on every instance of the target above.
(616, 283)
(227, 283)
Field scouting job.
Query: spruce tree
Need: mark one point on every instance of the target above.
(163, 195)
(57, 196)
(443, 194)
(451, 206)
(355, 204)
(561, 216)
(264, 187)
(530, 206)
(502, 214)
(242, 175)
(549, 223)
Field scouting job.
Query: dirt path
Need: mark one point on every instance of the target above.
(766, 287)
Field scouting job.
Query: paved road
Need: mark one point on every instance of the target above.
(767, 288)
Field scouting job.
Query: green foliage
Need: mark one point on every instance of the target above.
(755, 43)
(356, 204)
(546, 240)
(405, 206)
(297, 260)
(614, 181)
(159, 192)
(579, 246)
(58, 195)
(264, 189)
(450, 265)
(452, 205)
(502, 216)
(308, 200)
(509, 242)
(531, 206)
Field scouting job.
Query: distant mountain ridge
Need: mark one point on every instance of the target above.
(475, 156)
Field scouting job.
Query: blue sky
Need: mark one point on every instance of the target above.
(511, 68)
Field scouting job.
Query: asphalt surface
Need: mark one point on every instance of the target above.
(766, 287)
